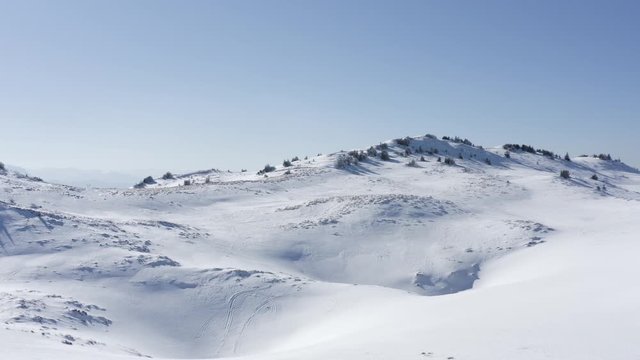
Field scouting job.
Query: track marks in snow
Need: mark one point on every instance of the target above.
(267, 306)
(234, 302)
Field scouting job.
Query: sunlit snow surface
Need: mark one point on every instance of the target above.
(379, 260)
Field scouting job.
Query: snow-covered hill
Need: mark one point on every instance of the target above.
(443, 250)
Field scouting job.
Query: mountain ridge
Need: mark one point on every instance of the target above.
(336, 256)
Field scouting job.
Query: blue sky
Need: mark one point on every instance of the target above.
(176, 85)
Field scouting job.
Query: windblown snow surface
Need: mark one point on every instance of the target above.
(377, 260)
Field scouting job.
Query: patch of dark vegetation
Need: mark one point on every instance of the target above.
(267, 169)
(358, 155)
(458, 140)
(405, 141)
(606, 157)
(146, 181)
(516, 147)
(530, 149)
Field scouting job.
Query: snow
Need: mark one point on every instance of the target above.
(375, 261)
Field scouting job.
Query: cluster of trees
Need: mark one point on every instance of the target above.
(287, 162)
(516, 147)
(406, 141)
(431, 151)
(606, 157)
(547, 153)
(458, 140)
(530, 149)
(358, 155)
(353, 157)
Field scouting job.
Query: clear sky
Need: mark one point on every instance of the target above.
(176, 85)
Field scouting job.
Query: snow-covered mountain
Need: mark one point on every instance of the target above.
(417, 248)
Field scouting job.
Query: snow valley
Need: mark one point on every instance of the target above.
(415, 248)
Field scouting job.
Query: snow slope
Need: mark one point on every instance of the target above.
(489, 258)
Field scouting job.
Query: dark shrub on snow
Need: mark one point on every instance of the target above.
(344, 161)
(372, 152)
(267, 168)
